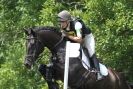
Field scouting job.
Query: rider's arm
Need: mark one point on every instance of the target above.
(78, 38)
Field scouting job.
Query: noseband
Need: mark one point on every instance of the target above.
(33, 55)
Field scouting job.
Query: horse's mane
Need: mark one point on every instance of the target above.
(46, 28)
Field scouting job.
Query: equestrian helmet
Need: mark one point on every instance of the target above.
(64, 16)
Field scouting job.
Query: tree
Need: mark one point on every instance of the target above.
(110, 20)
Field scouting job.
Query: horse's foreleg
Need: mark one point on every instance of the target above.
(46, 72)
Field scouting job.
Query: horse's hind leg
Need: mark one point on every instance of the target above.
(46, 72)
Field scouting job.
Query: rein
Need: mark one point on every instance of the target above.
(58, 42)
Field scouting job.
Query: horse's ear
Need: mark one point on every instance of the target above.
(32, 32)
(29, 31)
(26, 31)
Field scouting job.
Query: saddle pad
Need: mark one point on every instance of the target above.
(86, 64)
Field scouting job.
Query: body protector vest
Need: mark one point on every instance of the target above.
(84, 30)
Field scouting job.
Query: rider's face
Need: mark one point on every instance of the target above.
(63, 24)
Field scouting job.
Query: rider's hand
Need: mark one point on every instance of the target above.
(63, 33)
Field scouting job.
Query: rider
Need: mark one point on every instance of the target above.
(75, 30)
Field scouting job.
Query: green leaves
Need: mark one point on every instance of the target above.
(111, 22)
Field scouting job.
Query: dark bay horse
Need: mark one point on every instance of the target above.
(79, 77)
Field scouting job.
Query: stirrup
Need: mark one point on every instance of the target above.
(99, 76)
(93, 70)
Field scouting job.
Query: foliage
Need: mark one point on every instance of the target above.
(111, 22)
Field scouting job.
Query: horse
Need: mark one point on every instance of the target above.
(38, 38)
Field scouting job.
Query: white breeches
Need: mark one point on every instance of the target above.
(89, 43)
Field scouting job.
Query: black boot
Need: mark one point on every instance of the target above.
(97, 67)
(95, 62)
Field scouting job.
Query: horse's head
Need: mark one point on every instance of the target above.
(37, 39)
(33, 47)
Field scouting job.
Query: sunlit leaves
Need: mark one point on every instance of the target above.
(111, 22)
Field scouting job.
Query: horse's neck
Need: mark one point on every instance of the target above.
(50, 38)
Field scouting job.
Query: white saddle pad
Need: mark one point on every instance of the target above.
(74, 52)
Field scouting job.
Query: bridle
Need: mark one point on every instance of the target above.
(33, 55)
(62, 37)
(36, 45)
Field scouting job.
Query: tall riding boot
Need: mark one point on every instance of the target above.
(96, 62)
